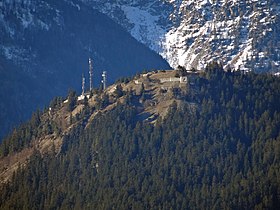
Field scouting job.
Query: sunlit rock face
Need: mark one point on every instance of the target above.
(240, 34)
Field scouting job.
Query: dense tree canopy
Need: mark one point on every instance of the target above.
(223, 153)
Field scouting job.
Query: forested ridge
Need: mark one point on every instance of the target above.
(223, 152)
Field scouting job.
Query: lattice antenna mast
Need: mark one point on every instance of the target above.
(83, 85)
(90, 62)
(104, 79)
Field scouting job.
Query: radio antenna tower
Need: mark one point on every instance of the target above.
(83, 85)
(90, 73)
(104, 79)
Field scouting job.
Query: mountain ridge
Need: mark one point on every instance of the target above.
(46, 45)
(153, 100)
(220, 133)
(240, 34)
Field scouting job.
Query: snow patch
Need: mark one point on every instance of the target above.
(27, 20)
(146, 28)
(75, 5)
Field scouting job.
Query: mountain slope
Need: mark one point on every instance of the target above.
(241, 34)
(44, 48)
(216, 147)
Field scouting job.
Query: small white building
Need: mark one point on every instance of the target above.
(184, 79)
(175, 79)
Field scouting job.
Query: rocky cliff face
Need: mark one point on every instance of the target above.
(241, 34)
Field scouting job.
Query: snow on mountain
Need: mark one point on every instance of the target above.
(17, 17)
(44, 49)
(241, 34)
(145, 29)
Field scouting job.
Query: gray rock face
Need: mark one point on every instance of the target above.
(240, 34)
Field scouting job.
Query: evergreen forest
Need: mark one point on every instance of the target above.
(223, 152)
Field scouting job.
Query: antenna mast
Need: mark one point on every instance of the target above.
(104, 80)
(83, 85)
(90, 73)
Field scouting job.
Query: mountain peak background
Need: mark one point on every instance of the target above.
(240, 34)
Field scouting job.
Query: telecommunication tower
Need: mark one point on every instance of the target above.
(104, 79)
(90, 73)
(83, 85)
